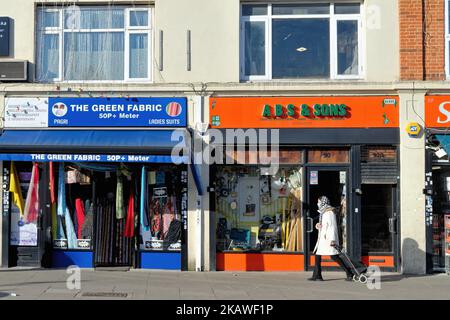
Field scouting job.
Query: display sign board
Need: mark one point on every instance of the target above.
(95, 112)
(328, 156)
(5, 24)
(258, 157)
(117, 112)
(437, 111)
(375, 154)
(89, 158)
(304, 112)
(26, 113)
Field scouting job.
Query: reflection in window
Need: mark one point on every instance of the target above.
(300, 48)
(347, 42)
(255, 48)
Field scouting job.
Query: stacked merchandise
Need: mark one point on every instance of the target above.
(258, 211)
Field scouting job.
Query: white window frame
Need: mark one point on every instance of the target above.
(447, 39)
(127, 30)
(333, 18)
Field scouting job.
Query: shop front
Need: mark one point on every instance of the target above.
(437, 182)
(343, 147)
(91, 182)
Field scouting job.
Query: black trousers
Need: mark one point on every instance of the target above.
(318, 267)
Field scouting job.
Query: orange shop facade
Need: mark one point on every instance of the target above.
(344, 147)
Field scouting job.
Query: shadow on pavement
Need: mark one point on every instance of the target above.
(4, 294)
(399, 277)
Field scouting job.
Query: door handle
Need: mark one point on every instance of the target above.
(310, 225)
(393, 225)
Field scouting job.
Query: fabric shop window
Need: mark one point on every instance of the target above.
(93, 44)
(301, 41)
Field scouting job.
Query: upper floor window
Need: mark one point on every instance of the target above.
(301, 41)
(93, 44)
(447, 38)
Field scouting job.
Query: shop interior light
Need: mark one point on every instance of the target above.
(301, 49)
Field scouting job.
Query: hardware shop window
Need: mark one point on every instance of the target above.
(107, 43)
(288, 41)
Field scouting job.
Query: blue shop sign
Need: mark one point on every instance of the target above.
(117, 112)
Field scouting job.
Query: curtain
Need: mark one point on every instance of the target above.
(48, 57)
(138, 55)
(94, 55)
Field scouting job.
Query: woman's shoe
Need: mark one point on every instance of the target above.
(349, 278)
(315, 279)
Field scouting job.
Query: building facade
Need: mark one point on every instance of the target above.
(338, 83)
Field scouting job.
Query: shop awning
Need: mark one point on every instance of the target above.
(444, 140)
(74, 145)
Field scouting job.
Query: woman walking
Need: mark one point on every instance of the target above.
(327, 239)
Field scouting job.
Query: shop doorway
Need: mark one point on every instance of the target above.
(440, 246)
(379, 222)
(331, 182)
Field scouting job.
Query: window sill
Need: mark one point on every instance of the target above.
(316, 80)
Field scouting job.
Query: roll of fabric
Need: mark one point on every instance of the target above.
(52, 183)
(120, 212)
(79, 211)
(71, 235)
(31, 210)
(61, 191)
(144, 203)
(129, 226)
(14, 187)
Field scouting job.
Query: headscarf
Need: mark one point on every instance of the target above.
(324, 205)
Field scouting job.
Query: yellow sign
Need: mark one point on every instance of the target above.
(414, 129)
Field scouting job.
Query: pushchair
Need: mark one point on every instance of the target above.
(357, 268)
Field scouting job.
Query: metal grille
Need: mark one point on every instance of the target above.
(105, 294)
(379, 165)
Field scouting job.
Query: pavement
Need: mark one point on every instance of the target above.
(45, 284)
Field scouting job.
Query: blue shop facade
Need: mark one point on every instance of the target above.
(93, 182)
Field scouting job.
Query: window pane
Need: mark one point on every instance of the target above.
(48, 19)
(255, 45)
(300, 48)
(94, 56)
(254, 10)
(301, 9)
(94, 18)
(138, 18)
(347, 8)
(347, 42)
(48, 57)
(138, 55)
(376, 210)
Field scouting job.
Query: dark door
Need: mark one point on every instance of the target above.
(379, 223)
(331, 182)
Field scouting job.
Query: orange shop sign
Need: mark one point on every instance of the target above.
(304, 112)
(437, 111)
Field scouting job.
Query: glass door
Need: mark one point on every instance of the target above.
(331, 182)
(378, 219)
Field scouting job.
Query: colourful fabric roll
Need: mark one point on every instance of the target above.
(129, 226)
(31, 210)
(144, 209)
(71, 235)
(61, 191)
(52, 184)
(14, 187)
(54, 222)
(79, 211)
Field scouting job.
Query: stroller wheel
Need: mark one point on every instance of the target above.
(355, 278)
(363, 278)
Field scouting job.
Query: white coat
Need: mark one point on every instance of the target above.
(328, 233)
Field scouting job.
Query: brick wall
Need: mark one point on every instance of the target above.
(422, 46)
(434, 23)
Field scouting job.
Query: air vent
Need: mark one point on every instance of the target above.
(16, 70)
